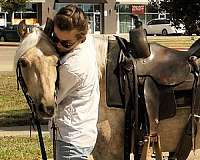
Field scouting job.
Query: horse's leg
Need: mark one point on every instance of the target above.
(146, 153)
(157, 148)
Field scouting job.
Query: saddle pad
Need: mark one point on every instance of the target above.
(113, 94)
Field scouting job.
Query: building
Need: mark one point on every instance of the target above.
(105, 16)
(32, 14)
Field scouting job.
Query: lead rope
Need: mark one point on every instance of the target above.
(20, 81)
(54, 127)
(194, 109)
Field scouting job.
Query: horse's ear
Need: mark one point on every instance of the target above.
(22, 29)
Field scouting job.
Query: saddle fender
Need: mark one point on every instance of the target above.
(160, 102)
(151, 95)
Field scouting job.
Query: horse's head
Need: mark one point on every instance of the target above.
(37, 60)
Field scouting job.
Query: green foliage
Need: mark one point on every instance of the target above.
(13, 5)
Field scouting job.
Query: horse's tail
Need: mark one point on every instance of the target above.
(195, 48)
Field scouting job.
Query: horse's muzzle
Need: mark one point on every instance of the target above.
(45, 112)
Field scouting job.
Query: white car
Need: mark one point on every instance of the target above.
(163, 27)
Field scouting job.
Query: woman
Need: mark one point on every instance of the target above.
(78, 92)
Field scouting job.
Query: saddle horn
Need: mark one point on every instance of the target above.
(139, 42)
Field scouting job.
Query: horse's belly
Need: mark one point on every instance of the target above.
(171, 129)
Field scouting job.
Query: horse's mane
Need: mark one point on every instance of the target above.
(101, 45)
(30, 41)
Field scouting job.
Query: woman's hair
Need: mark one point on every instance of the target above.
(71, 17)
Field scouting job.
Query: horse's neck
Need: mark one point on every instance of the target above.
(46, 47)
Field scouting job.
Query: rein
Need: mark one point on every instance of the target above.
(21, 82)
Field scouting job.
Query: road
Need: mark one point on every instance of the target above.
(7, 54)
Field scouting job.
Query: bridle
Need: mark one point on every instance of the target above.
(35, 118)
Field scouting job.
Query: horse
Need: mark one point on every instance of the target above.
(37, 59)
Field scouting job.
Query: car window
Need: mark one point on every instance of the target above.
(161, 21)
(152, 22)
(166, 21)
(158, 21)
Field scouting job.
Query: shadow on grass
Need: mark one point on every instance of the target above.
(17, 118)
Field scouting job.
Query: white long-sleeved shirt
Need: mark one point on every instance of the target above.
(78, 96)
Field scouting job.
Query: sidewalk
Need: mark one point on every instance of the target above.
(21, 131)
(9, 44)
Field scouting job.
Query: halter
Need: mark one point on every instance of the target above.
(35, 118)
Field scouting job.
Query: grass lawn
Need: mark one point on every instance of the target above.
(23, 148)
(14, 111)
(13, 107)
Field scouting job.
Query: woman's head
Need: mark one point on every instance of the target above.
(71, 17)
(70, 22)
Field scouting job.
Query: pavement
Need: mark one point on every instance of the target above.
(9, 43)
(22, 131)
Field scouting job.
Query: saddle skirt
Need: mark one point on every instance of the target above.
(166, 66)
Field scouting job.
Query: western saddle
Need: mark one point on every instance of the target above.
(157, 71)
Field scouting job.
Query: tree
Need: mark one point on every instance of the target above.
(11, 6)
(187, 11)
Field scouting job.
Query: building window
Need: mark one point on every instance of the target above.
(125, 20)
(125, 16)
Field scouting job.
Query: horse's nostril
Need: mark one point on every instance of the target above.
(50, 110)
(45, 111)
(41, 108)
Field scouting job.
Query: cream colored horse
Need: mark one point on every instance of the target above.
(38, 60)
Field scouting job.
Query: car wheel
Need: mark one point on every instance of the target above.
(164, 32)
(145, 32)
(2, 39)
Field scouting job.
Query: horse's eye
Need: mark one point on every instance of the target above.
(24, 62)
